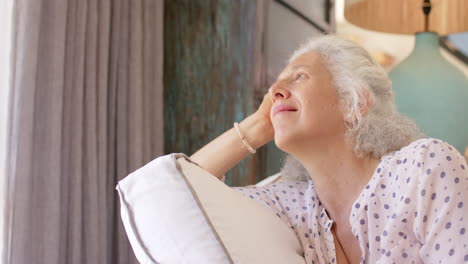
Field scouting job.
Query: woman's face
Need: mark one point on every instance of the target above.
(311, 113)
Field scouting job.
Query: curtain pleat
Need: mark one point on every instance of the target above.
(86, 111)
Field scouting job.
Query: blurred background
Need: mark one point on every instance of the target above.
(92, 90)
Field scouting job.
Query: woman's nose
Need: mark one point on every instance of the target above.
(278, 91)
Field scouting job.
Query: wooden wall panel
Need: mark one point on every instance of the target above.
(210, 58)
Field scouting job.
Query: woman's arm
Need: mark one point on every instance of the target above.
(224, 152)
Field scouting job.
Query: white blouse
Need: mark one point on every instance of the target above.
(414, 209)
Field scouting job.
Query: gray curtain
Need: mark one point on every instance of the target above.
(86, 110)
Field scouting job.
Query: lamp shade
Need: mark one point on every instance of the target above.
(433, 92)
(406, 16)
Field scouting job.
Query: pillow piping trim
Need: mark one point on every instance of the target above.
(126, 213)
(192, 190)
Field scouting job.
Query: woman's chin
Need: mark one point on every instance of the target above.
(282, 142)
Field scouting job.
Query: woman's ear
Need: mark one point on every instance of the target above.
(365, 102)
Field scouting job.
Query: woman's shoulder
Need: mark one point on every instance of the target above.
(425, 156)
(429, 150)
(434, 159)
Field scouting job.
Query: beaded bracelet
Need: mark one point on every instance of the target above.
(236, 125)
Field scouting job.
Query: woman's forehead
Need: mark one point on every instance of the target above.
(310, 61)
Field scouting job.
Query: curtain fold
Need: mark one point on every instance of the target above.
(86, 110)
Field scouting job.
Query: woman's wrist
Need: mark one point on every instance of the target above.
(257, 130)
(225, 151)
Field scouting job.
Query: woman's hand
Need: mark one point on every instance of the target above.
(262, 115)
(225, 151)
(265, 107)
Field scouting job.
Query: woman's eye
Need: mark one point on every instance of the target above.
(300, 76)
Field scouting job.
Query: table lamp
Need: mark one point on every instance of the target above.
(427, 88)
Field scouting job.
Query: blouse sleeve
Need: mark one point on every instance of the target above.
(442, 211)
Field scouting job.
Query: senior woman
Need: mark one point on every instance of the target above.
(364, 185)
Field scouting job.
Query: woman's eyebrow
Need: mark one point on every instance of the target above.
(292, 69)
(297, 66)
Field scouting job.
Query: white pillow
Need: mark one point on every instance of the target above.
(176, 212)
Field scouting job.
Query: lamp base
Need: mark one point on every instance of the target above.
(433, 92)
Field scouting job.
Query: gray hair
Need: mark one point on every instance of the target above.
(355, 73)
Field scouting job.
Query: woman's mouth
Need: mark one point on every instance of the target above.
(283, 108)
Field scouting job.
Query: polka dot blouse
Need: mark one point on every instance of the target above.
(414, 209)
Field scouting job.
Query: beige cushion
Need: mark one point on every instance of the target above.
(229, 227)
